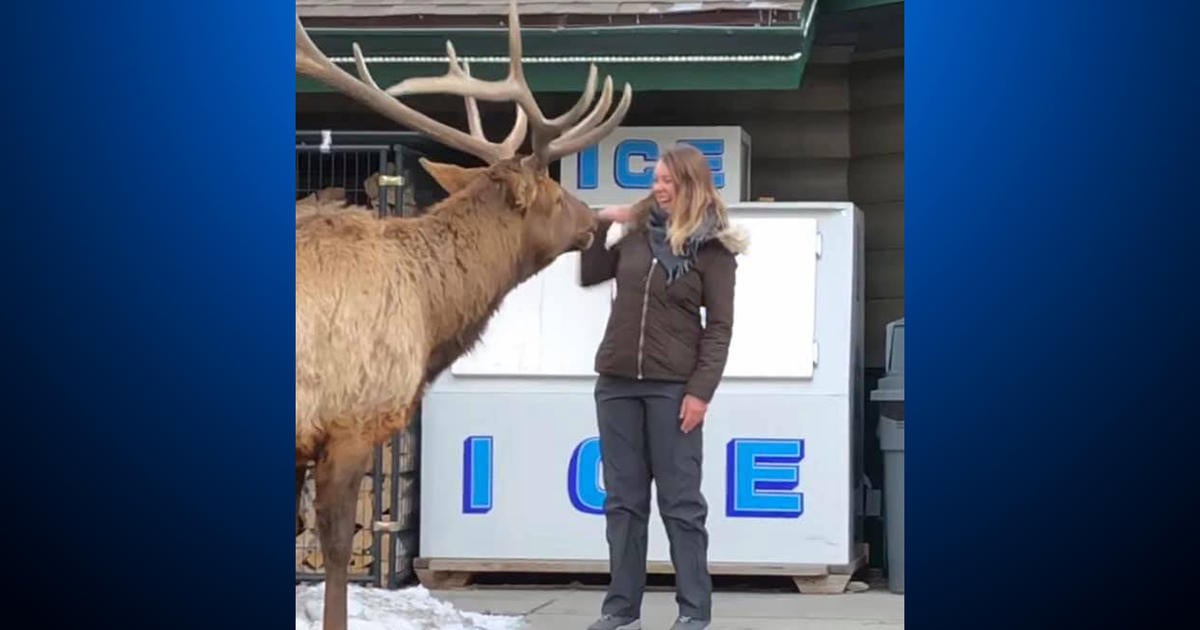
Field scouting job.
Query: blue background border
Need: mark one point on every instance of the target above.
(150, 304)
(150, 279)
(1050, 334)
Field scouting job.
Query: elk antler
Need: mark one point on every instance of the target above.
(552, 138)
(311, 62)
(509, 147)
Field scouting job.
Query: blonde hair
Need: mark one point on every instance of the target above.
(695, 194)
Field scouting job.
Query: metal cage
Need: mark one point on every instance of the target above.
(378, 170)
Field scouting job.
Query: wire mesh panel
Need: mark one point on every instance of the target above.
(385, 522)
(372, 170)
(339, 176)
(380, 177)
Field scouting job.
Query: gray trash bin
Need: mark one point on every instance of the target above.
(889, 394)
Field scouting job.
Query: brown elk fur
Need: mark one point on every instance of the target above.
(324, 201)
(384, 305)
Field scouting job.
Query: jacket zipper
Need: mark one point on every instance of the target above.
(642, 328)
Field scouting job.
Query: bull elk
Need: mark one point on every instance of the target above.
(383, 305)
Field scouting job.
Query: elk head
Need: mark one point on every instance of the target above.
(553, 220)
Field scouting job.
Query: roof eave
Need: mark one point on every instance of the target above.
(720, 17)
(672, 57)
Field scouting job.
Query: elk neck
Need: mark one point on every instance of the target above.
(476, 247)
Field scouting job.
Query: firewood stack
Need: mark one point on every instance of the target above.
(362, 560)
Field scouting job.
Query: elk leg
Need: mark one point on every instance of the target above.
(339, 473)
(300, 477)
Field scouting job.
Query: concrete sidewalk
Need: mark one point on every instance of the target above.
(574, 609)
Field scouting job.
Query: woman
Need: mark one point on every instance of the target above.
(658, 369)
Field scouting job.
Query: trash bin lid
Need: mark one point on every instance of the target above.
(889, 389)
(887, 395)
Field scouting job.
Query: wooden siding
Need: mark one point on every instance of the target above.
(876, 183)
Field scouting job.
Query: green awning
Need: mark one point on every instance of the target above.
(841, 6)
(648, 57)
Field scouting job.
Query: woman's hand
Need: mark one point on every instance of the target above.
(616, 214)
(692, 412)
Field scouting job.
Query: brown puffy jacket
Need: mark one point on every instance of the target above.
(654, 331)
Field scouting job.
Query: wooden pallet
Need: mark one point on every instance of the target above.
(810, 579)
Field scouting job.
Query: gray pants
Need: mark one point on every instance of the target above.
(640, 440)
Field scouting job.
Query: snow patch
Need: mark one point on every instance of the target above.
(412, 608)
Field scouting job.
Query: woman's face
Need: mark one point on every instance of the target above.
(664, 186)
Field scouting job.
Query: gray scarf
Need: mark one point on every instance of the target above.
(677, 266)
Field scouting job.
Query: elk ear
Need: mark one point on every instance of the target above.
(450, 177)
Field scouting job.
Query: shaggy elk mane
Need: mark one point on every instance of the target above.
(383, 305)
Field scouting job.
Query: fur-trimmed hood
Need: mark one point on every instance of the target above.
(734, 237)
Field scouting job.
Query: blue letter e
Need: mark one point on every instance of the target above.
(761, 476)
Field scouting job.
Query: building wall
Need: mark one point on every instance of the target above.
(876, 183)
(838, 137)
